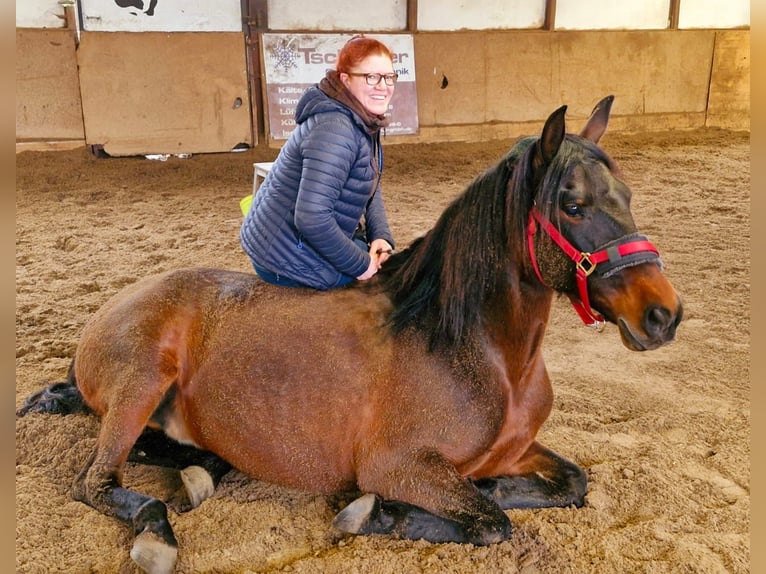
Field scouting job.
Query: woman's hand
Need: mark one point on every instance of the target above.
(380, 250)
(372, 269)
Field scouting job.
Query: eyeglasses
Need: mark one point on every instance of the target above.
(374, 79)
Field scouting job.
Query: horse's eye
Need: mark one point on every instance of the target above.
(573, 210)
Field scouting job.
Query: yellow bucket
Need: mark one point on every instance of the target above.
(245, 203)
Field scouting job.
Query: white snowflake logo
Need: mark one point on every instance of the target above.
(284, 55)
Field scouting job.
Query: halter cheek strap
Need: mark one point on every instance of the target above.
(612, 257)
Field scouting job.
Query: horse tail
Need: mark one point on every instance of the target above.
(62, 398)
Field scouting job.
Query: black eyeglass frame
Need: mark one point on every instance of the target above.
(373, 79)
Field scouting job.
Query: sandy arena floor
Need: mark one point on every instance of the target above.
(664, 435)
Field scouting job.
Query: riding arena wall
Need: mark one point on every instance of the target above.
(114, 88)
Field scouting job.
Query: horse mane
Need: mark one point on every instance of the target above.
(477, 247)
(439, 282)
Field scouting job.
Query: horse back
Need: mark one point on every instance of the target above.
(153, 326)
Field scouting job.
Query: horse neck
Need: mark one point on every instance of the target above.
(516, 325)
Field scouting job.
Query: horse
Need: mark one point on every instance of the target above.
(419, 392)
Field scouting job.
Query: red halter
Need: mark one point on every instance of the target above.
(586, 263)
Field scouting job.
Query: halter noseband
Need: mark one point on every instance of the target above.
(621, 253)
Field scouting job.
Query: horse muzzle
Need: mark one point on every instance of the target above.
(644, 306)
(630, 288)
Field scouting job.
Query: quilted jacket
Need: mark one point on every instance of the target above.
(324, 183)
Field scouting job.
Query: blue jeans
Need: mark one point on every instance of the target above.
(277, 279)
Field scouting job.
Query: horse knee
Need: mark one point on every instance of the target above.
(95, 487)
(79, 489)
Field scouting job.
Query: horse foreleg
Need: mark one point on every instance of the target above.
(99, 485)
(544, 479)
(438, 505)
(370, 514)
(201, 470)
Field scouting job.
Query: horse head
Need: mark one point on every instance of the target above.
(582, 239)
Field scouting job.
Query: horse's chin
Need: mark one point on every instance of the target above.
(636, 342)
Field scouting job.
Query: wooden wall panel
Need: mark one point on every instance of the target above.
(504, 83)
(649, 72)
(175, 93)
(157, 92)
(729, 103)
(48, 103)
(461, 59)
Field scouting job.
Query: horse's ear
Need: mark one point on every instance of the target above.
(598, 120)
(552, 136)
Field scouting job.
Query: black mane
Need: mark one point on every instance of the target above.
(440, 282)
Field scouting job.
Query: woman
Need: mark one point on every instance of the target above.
(318, 219)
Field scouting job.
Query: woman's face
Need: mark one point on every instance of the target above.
(374, 98)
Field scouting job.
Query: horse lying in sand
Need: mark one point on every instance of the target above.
(423, 389)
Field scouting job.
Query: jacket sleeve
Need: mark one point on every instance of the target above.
(329, 151)
(376, 220)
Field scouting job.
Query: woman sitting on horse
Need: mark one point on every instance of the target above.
(318, 219)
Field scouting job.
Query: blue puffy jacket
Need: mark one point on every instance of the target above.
(304, 215)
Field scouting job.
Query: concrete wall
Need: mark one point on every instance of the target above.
(500, 84)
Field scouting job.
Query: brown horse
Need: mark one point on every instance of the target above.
(423, 390)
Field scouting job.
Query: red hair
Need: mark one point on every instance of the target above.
(359, 48)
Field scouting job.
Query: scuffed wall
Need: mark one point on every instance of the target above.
(155, 92)
(48, 105)
(729, 101)
(40, 14)
(140, 89)
(504, 83)
(161, 16)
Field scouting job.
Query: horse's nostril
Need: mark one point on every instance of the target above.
(658, 321)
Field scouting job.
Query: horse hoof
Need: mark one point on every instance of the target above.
(199, 484)
(352, 518)
(153, 555)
